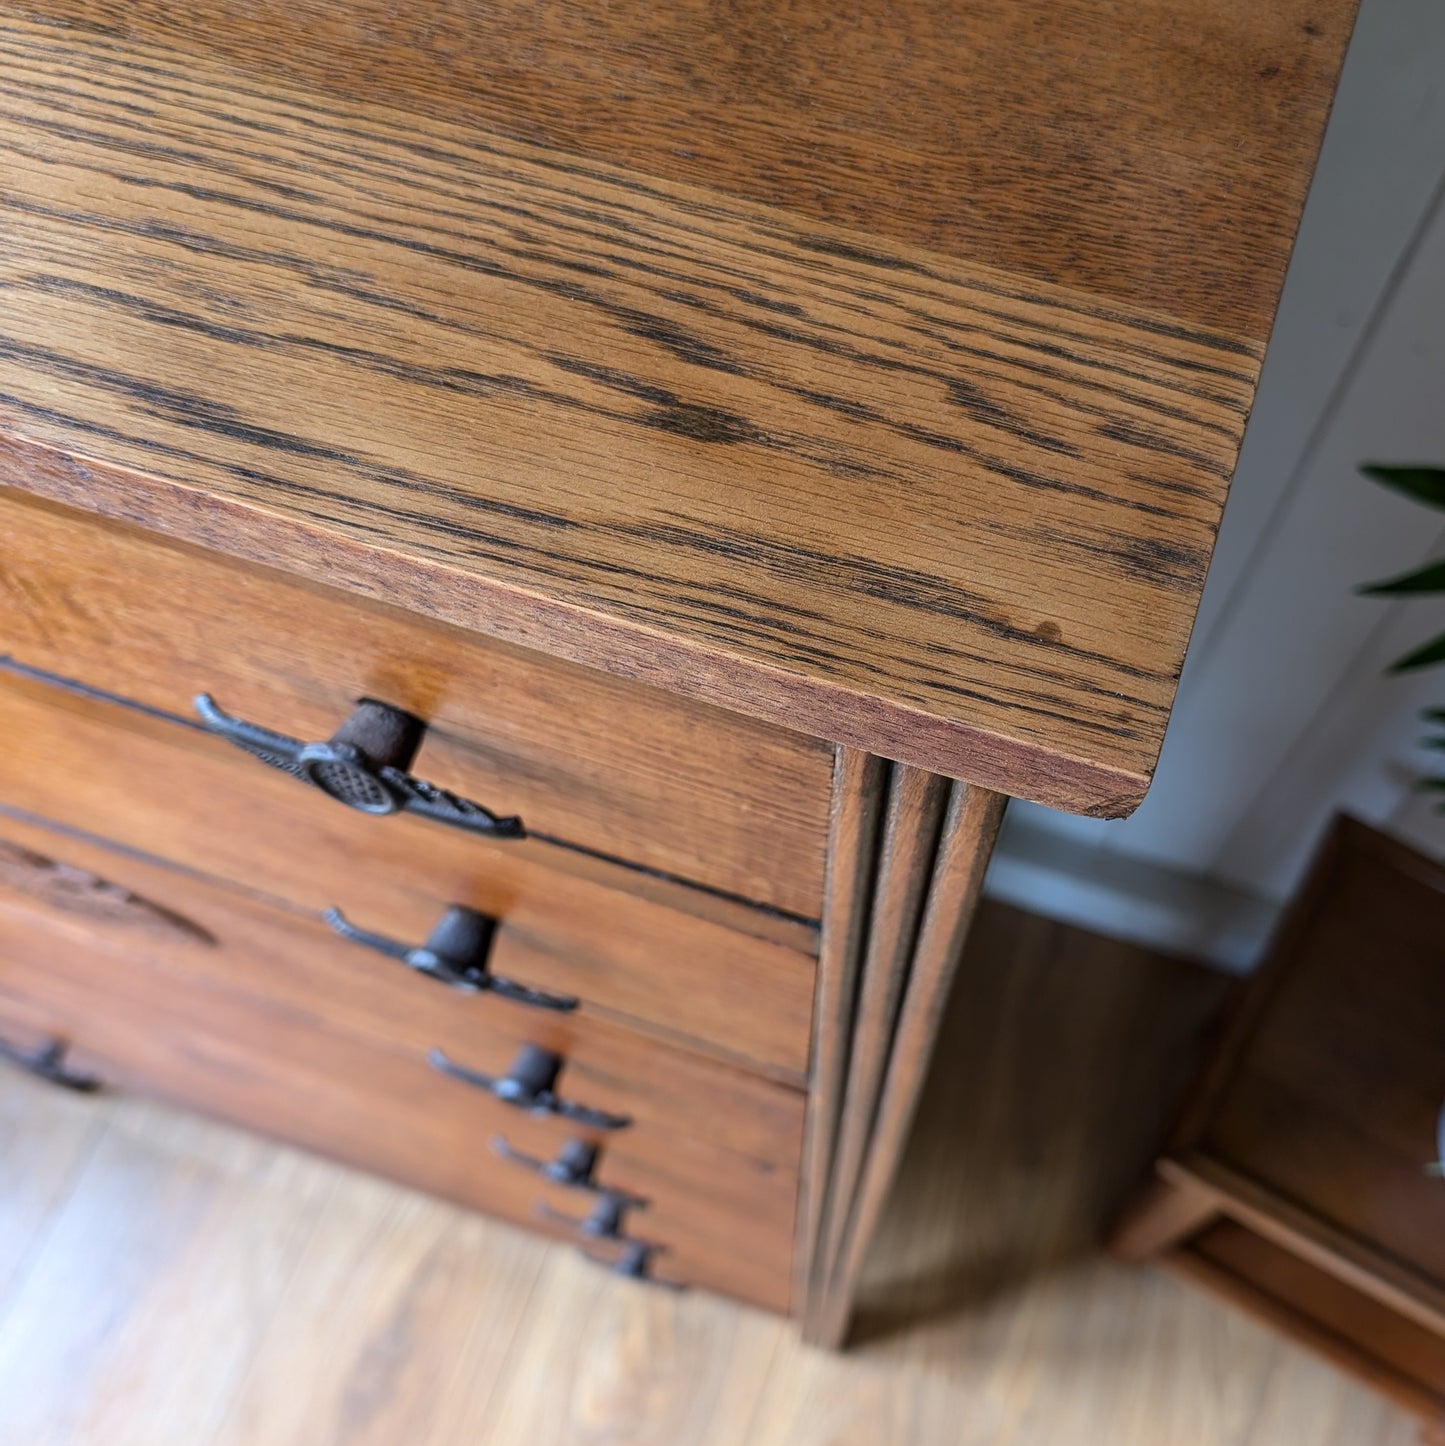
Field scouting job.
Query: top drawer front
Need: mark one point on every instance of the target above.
(613, 766)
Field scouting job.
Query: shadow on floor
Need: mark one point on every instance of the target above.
(1062, 1061)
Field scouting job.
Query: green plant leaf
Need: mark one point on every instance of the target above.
(1424, 484)
(1432, 743)
(1432, 785)
(1433, 715)
(1430, 578)
(1423, 657)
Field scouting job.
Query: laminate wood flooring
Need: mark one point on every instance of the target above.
(165, 1281)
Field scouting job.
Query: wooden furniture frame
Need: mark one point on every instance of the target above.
(1297, 1250)
(873, 379)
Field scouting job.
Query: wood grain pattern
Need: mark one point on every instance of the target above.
(1389, 1353)
(859, 790)
(220, 1243)
(1149, 154)
(909, 844)
(625, 770)
(714, 1152)
(75, 891)
(898, 500)
(956, 879)
(278, 958)
(1358, 1263)
(1310, 1132)
(596, 1364)
(1320, 1104)
(403, 1273)
(44, 1153)
(735, 980)
(1029, 1136)
(1333, 1095)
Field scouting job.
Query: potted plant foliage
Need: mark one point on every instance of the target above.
(1426, 485)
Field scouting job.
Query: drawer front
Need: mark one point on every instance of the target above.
(196, 929)
(238, 1010)
(600, 762)
(731, 977)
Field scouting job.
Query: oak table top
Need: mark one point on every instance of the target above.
(877, 370)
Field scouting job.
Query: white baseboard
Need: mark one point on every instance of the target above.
(1111, 893)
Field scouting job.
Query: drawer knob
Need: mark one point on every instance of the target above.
(455, 953)
(575, 1167)
(48, 1063)
(363, 765)
(528, 1085)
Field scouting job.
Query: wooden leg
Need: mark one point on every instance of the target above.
(910, 841)
(1165, 1214)
(860, 785)
(925, 891)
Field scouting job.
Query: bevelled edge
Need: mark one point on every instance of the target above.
(450, 595)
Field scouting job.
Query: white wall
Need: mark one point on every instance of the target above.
(1283, 714)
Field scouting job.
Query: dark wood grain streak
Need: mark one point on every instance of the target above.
(622, 770)
(1151, 154)
(958, 869)
(903, 501)
(83, 896)
(859, 790)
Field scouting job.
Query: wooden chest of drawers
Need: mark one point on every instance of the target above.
(672, 500)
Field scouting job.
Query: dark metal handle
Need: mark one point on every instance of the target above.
(575, 1167)
(363, 765)
(528, 1085)
(455, 954)
(636, 1262)
(48, 1063)
(604, 1222)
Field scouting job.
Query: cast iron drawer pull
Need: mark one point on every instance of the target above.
(48, 1063)
(605, 1221)
(636, 1263)
(455, 954)
(575, 1167)
(528, 1086)
(363, 765)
